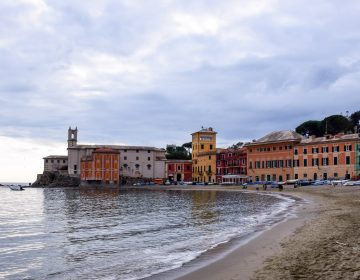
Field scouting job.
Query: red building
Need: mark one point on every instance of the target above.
(231, 166)
(101, 167)
(178, 170)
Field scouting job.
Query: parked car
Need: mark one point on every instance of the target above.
(352, 183)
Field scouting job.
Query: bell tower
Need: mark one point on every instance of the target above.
(72, 137)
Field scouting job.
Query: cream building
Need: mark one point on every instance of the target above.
(56, 163)
(204, 155)
(135, 161)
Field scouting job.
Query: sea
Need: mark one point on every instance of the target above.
(107, 233)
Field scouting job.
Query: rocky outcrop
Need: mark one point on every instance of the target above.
(55, 180)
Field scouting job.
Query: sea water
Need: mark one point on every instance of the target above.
(116, 234)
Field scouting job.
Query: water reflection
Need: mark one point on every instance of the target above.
(204, 206)
(93, 233)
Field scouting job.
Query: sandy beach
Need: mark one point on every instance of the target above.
(322, 241)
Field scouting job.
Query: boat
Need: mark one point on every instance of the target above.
(16, 187)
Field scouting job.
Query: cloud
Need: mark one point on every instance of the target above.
(152, 72)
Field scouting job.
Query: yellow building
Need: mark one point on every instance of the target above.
(204, 155)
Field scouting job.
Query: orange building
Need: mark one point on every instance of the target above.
(328, 157)
(101, 167)
(270, 158)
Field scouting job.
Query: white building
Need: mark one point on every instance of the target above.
(135, 161)
(56, 163)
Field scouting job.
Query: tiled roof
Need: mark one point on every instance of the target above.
(330, 138)
(279, 136)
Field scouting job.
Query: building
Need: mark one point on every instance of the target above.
(56, 164)
(101, 167)
(136, 161)
(179, 170)
(204, 155)
(328, 157)
(271, 157)
(231, 166)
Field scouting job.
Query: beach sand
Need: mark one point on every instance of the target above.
(321, 242)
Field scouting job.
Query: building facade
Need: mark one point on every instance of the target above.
(136, 161)
(231, 166)
(101, 167)
(271, 157)
(204, 155)
(179, 170)
(56, 164)
(328, 157)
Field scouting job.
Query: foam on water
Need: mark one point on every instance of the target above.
(112, 234)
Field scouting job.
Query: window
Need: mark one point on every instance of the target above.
(296, 176)
(305, 151)
(149, 166)
(305, 175)
(149, 158)
(347, 160)
(64, 161)
(137, 151)
(295, 151)
(149, 151)
(52, 161)
(202, 146)
(305, 162)
(137, 158)
(325, 161)
(125, 158)
(179, 167)
(315, 150)
(250, 164)
(335, 149)
(58, 161)
(137, 166)
(211, 146)
(46, 160)
(125, 151)
(347, 148)
(188, 167)
(335, 175)
(315, 162)
(325, 149)
(209, 157)
(335, 161)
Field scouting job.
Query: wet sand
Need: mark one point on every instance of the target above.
(321, 242)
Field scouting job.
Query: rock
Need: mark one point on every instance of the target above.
(55, 180)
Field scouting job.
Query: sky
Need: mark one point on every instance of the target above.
(152, 72)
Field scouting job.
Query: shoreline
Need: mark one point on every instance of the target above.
(227, 259)
(287, 249)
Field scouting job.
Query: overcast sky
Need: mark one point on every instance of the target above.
(151, 72)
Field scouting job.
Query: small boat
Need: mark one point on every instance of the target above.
(16, 187)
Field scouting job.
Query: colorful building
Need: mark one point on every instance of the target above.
(178, 170)
(136, 161)
(204, 155)
(328, 157)
(271, 157)
(101, 167)
(231, 166)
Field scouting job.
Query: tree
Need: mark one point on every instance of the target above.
(188, 147)
(311, 128)
(355, 119)
(236, 146)
(177, 152)
(336, 123)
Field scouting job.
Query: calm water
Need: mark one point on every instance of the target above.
(112, 234)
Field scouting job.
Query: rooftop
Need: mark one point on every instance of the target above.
(279, 136)
(55, 157)
(117, 147)
(330, 138)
